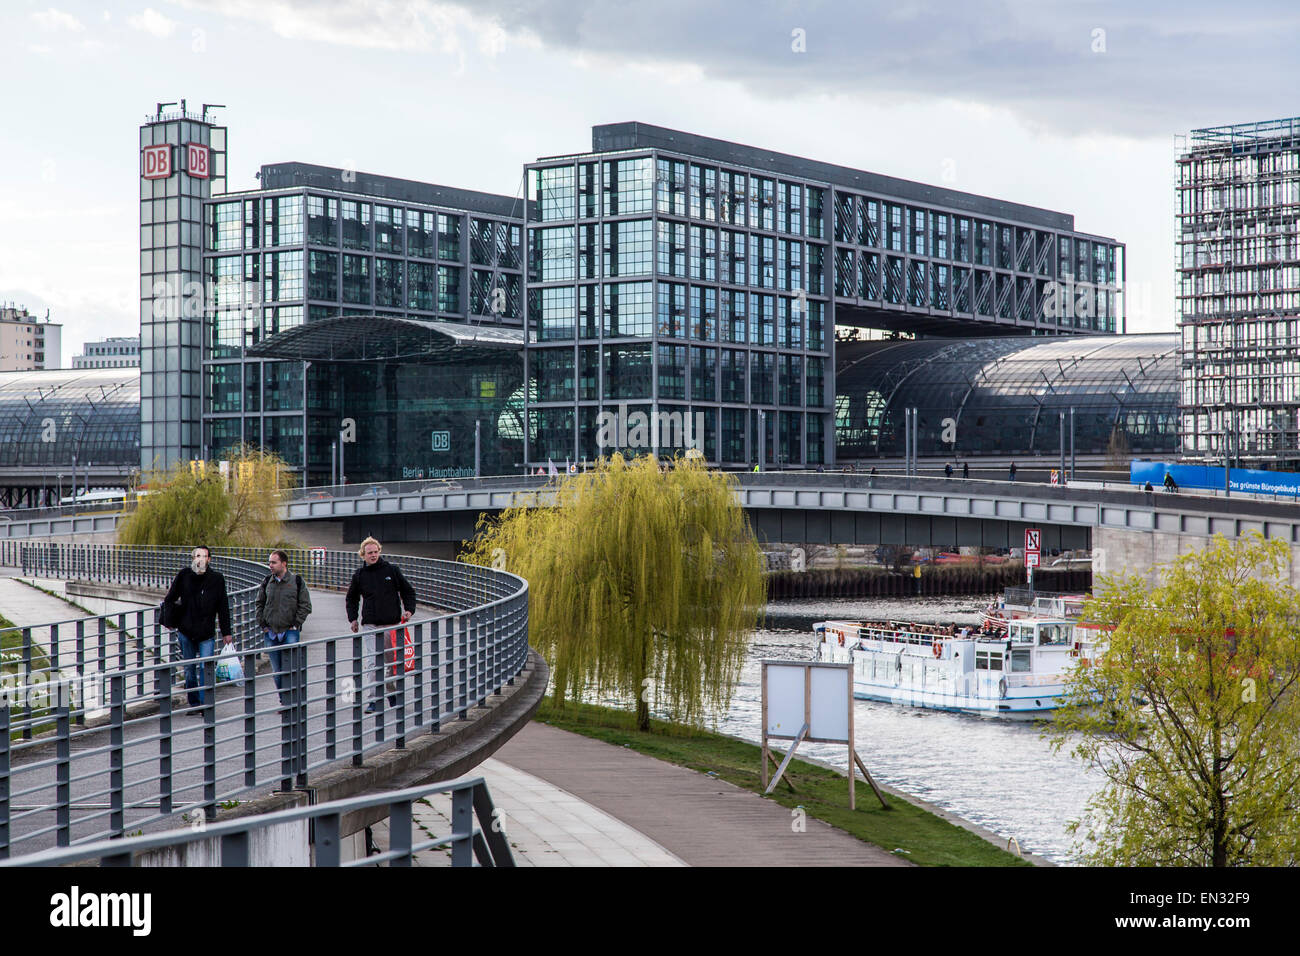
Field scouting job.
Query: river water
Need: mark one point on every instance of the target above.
(998, 773)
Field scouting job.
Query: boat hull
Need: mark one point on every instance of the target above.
(1014, 707)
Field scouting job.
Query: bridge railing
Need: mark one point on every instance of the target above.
(470, 804)
(61, 682)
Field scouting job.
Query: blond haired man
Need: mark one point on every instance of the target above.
(386, 600)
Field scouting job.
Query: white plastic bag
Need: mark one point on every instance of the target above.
(229, 670)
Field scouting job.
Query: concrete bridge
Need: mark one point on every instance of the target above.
(1126, 528)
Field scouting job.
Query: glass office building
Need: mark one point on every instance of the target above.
(667, 290)
(317, 243)
(689, 278)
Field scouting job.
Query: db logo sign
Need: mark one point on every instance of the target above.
(442, 441)
(196, 160)
(157, 161)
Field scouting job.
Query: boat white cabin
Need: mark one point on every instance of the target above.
(1019, 673)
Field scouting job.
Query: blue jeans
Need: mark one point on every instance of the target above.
(274, 641)
(194, 672)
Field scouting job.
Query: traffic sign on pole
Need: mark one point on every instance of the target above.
(1033, 546)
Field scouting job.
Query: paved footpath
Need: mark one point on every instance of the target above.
(700, 819)
(569, 800)
(27, 607)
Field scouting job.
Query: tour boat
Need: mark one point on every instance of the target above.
(1017, 671)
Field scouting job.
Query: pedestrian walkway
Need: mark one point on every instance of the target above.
(545, 826)
(568, 800)
(25, 606)
(700, 819)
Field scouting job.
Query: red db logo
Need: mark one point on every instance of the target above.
(196, 160)
(157, 161)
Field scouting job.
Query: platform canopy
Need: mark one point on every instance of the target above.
(387, 338)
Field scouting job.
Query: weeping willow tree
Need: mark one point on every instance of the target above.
(644, 584)
(194, 503)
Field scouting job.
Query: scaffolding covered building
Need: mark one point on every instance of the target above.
(1238, 264)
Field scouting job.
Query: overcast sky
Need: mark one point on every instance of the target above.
(1069, 106)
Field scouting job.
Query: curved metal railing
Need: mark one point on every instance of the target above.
(91, 745)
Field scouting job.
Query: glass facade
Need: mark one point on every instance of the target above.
(419, 419)
(626, 251)
(307, 254)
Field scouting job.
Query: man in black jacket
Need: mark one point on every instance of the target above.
(197, 595)
(387, 599)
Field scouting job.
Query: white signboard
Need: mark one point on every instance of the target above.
(807, 700)
(1033, 539)
(318, 557)
(817, 694)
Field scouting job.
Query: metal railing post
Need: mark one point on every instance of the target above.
(162, 682)
(497, 843)
(462, 663)
(331, 700)
(250, 719)
(81, 665)
(63, 770)
(4, 782)
(288, 730)
(380, 689)
(418, 643)
(117, 754)
(25, 681)
(435, 677)
(399, 832)
(299, 699)
(103, 646)
(328, 845)
(208, 687)
(462, 827)
(234, 849)
(358, 702)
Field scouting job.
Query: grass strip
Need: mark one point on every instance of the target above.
(906, 829)
(11, 662)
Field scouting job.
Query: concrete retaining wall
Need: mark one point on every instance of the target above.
(285, 844)
(1142, 552)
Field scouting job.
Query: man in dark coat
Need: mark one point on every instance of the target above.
(387, 600)
(197, 595)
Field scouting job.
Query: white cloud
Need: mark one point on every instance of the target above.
(38, 48)
(411, 25)
(152, 22)
(53, 20)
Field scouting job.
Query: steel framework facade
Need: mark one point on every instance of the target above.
(1238, 264)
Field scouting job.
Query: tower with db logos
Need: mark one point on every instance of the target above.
(182, 163)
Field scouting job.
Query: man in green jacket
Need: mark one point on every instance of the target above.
(283, 604)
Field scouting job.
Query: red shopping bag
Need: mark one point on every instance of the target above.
(408, 650)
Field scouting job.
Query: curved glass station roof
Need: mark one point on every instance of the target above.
(1004, 396)
(369, 338)
(47, 417)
